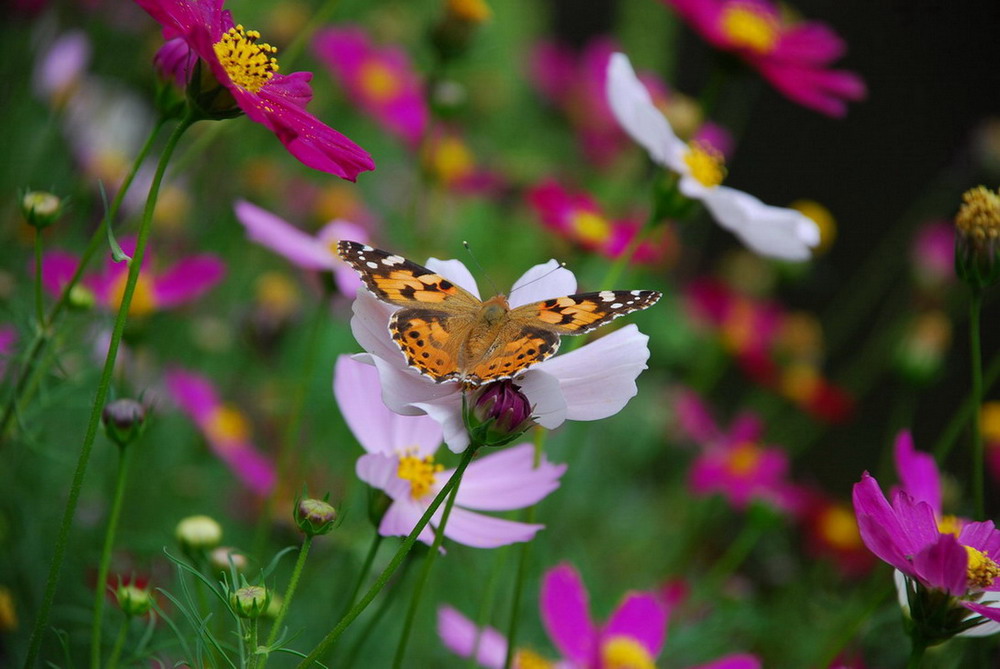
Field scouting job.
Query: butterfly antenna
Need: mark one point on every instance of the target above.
(479, 266)
(562, 265)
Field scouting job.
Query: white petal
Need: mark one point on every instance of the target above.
(339, 229)
(400, 519)
(638, 116)
(281, 237)
(370, 326)
(777, 232)
(456, 272)
(598, 379)
(508, 479)
(447, 411)
(482, 531)
(542, 282)
(544, 392)
(380, 471)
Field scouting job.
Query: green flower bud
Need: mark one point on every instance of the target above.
(977, 244)
(314, 516)
(40, 208)
(81, 298)
(250, 601)
(124, 421)
(196, 534)
(133, 600)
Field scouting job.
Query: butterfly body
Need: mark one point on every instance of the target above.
(448, 334)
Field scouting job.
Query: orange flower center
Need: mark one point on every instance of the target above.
(750, 26)
(227, 424)
(744, 459)
(529, 659)
(839, 528)
(418, 471)
(379, 82)
(705, 164)
(248, 63)
(622, 652)
(590, 227)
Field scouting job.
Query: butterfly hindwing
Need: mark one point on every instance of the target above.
(584, 312)
(430, 340)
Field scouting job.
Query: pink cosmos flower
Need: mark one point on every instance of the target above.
(633, 636)
(247, 70)
(307, 251)
(831, 530)
(793, 57)
(225, 428)
(940, 553)
(400, 462)
(590, 383)
(62, 66)
(184, 281)
(381, 81)
(733, 463)
(933, 254)
(578, 217)
(776, 232)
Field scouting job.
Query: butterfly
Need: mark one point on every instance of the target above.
(448, 334)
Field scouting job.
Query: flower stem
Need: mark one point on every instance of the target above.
(418, 589)
(251, 640)
(976, 355)
(100, 589)
(376, 618)
(958, 419)
(39, 305)
(397, 559)
(96, 240)
(916, 654)
(102, 392)
(289, 593)
(116, 652)
(365, 568)
(515, 604)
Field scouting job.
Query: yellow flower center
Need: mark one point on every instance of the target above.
(740, 326)
(706, 165)
(622, 652)
(379, 82)
(839, 528)
(800, 381)
(248, 63)
(450, 160)
(750, 26)
(143, 299)
(529, 659)
(589, 226)
(471, 11)
(277, 294)
(989, 419)
(418, 471)
(744, 459)
(8, 614)
(982, 570)
(949, 525)
(227, 424)
(979, 216)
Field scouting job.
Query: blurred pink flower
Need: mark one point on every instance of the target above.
(733, 463)
(578, 217)
(793, 57)
(381, 80)
(317, 252)
(400, 461)
(590, 383)
(62, 66)
(933, 254)
(247, 70)
(184, 281)
(633, 636)
(8, 339)
(225, 428)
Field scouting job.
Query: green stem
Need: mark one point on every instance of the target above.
(964, 412)
(39, 305)
(289, 593)
(759, 521)
(116, 652)
(96, 241)
(515, 604)
(916, 655)
(397, 559)
(365, 568)
(976, 354)
(100, 590)
(252, 645)
(102, 392)
(373, 622)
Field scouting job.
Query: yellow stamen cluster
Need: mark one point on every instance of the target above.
(379, 82)
(419, 472)
(590, 227)
(982, 570)
(8, 614)
(750, 26)
(529, 659)
(248, 63)
(143, 298)
(978, 218)
(228, 424)
(839, 528)
(707, 166)
(744, 459)
(950, 525)
(622, 652)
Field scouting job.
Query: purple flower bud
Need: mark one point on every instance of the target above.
(315, 516)
(503, 410)
(175, 61)
(123, 420)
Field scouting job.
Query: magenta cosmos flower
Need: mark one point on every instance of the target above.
(632, 637)
(184, 281)
(226, 429)
(937, 553)
(793, 57)
(578, 217)
(400, 462)
(379, 80)
(317, 252)
(249, 72)
(733, 463)
(590, 383)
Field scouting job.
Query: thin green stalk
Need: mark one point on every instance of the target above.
(976, 354)
(116, 652)
(96, 241)
(39, 304)
(289, 593)
(101, 396)
(759, 521)
(252, 645)
(425, 574)
(916, 655)
(100, 590)
(365, 568)
(383, 608)
(515, 604)
(397, 559)
(964, 412)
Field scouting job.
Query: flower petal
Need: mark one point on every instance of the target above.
(482, 531)
(548, 405)
(284, 239)
(943, 565)
(566, 615)
(992, 623)
(641, 617)
(401, 517)
(777, 232)
(917, 472)
(460, 635)
(542, 282)
(738, 661)
(455, 271)
(187, 280)
(508, 479)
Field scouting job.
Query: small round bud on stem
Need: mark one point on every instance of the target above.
(133, 600)
(220, 558)
(250, 601)
(196, 534)
(40, 208)
(314, 516)
(124, 421)
(500, 413)
(978, 241)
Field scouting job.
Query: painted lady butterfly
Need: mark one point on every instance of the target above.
(449, 334)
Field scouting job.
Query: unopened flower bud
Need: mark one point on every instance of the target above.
(133, 600)
(500, 413)
(40, 208)
(81, 298)
(978, 241)
(198, 533)
(124, 420)
(174, 63)
(314, 516)
(223, 556)
(250, 601)
(453, 34)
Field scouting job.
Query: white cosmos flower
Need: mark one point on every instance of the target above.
(777, 232)
(593, 382)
